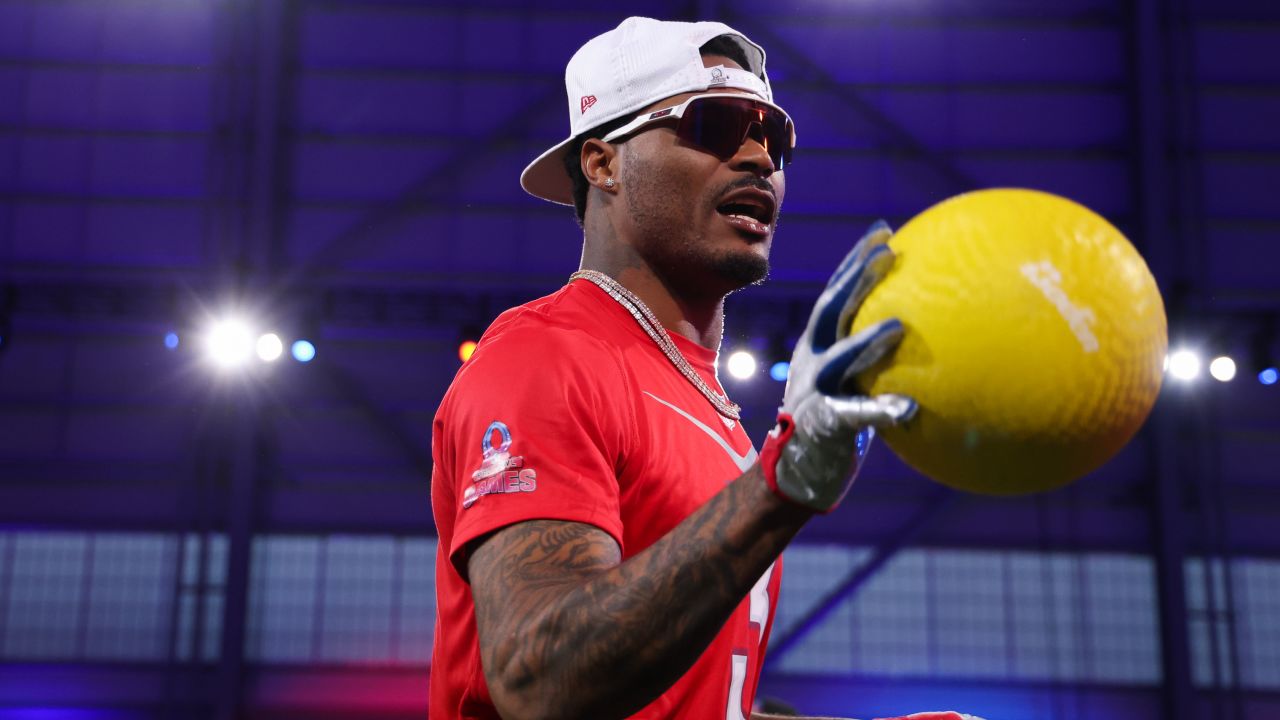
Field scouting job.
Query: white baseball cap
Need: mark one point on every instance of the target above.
(629, 68)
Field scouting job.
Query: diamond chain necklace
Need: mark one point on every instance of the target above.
(649, 322)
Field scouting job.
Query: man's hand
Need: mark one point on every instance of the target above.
(813, 454)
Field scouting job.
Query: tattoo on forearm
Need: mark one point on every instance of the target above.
(562, 620)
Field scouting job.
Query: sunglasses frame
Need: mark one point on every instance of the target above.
(675, 112)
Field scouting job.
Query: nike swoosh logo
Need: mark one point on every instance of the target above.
(742, 461)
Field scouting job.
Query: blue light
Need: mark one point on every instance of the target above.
(303, 351)
(780, 370)
(862, 441)
(171, 341)
(1269, 376)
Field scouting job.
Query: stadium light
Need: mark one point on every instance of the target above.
(229, 343)
(465, 349)
(303, 351)
(269, 347)
(1184, 365)
(1261, 359)
(1223, 369)
(780, 370)
(742, 365)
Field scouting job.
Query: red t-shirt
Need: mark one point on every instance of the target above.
(569, 411)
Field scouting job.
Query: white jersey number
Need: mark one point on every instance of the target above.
(758, 615)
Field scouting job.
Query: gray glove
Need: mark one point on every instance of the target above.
(812, 456)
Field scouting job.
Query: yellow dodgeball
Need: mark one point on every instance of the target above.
(1035, 341)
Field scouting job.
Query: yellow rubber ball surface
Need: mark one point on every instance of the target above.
(1035, 341)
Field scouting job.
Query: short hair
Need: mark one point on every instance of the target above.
(726, 45)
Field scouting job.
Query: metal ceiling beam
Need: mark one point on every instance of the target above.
(275, 43)
(939, 500)
(242, 466)
(258, 39)
(366, 232)
(1204, 420)
(1217, 556)
(1151, 105)
(410, 446)
(960, 180)
(1168, 502)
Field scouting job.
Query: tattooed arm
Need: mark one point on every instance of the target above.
(568, 631)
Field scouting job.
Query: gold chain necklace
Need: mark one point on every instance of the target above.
(649, 322)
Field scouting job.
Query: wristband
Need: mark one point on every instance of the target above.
(771, 453)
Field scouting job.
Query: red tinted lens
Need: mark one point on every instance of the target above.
(720, 125)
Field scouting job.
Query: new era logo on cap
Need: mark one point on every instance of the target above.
(588, 101)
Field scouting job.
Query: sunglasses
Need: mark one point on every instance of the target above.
(719, 123)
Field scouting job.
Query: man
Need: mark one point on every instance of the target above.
(609, 539)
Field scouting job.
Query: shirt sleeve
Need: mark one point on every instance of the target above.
(537, 428)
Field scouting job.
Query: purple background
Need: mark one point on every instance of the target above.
(348, 172)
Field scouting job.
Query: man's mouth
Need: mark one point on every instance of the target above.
(749, 210)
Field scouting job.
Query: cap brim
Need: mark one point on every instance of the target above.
(546, 178)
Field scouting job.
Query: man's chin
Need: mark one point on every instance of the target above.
(743, 269)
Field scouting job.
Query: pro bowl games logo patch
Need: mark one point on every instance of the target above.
(499, 472)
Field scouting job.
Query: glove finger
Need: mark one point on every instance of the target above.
(877, 411)
(854, 354)
(877, 267)
(840, 301)
(885, 338)
(876, 235)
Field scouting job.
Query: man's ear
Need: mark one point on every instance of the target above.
(599, 163)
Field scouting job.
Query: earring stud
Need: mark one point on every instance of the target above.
(609, 183)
